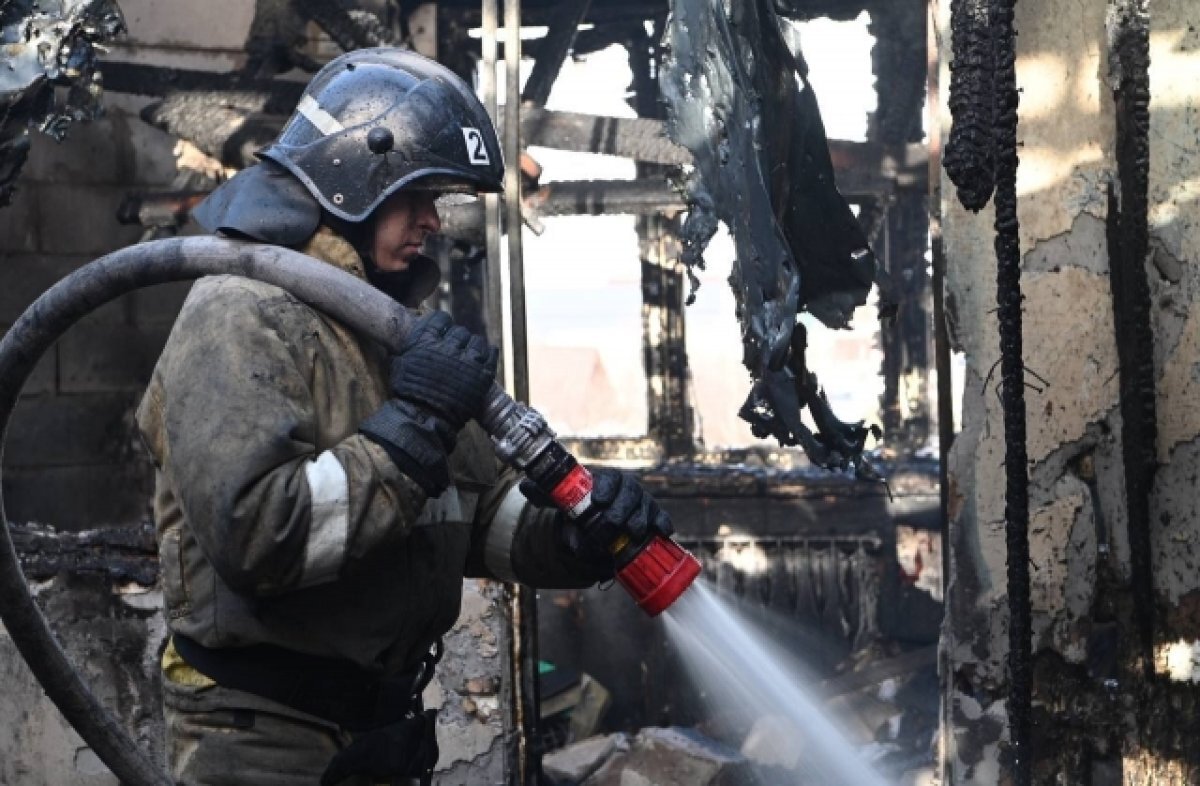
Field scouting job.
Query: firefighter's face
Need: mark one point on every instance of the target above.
(401, 225)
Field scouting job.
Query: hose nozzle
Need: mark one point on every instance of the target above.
(658, 574)
(655, 572)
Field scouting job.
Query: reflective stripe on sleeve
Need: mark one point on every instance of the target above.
(497, 550)
(329, 491)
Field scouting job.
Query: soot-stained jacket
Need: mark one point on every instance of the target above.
(279, 523)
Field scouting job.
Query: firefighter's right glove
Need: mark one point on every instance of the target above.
(439, 379)
(445, 369)
(621, 511)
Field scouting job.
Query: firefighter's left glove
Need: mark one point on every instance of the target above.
(405, 749)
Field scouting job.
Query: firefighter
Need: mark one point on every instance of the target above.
(319, 502)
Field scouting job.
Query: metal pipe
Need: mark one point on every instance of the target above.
(493, 293)
(512, 199)
(524, 603)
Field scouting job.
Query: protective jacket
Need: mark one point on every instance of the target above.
(279, 524)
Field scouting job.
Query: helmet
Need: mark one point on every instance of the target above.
(374, 121)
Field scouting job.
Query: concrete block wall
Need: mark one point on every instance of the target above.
(73, 459)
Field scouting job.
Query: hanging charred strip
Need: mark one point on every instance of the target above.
(970, 152)
(739, 100)
(1012, 378)
(981, 157)
(1127, 248)
(554, 50)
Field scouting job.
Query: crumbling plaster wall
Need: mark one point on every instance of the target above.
(1078, 542)
(73, 459)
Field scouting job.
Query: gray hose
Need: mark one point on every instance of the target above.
(347, 299)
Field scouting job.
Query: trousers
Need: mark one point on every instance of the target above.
(217, 736)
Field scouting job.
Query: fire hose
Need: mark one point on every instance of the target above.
(655, 571)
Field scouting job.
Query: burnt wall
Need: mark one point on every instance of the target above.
(1107, 207)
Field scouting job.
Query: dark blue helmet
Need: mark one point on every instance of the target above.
(375, 121)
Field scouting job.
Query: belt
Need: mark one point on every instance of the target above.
(334, 689)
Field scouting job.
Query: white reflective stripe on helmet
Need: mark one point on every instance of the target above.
(328, 531)
(497, 550)
(326, 123)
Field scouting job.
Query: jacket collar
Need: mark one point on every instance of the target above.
(410, 288)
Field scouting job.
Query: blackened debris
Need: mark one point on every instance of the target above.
(763, 167)
(228, 125)
(48, 44)
(1127, 230)
(122, 554)
(1012, 397)
(349, 28)
(970, 157)
(274, 96)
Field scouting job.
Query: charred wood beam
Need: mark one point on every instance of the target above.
(640, 138)
(624, 449)
(900, 67)
(158, 211)
(645, 139)
(604, 197)
(273, 96)
(542, 13)
(554, 50)
(586, 41)
(217, 125)
(349, 31)
(120, 553)
(877, 672)
(463, 222)
(1127, 232)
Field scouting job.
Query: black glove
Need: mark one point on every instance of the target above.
(440, 380)
(417, 441)
(445, 369)
(405, 749)
(620, 507)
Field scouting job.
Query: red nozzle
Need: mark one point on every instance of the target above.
(659, 574)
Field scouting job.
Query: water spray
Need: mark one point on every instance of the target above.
(656, 572)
